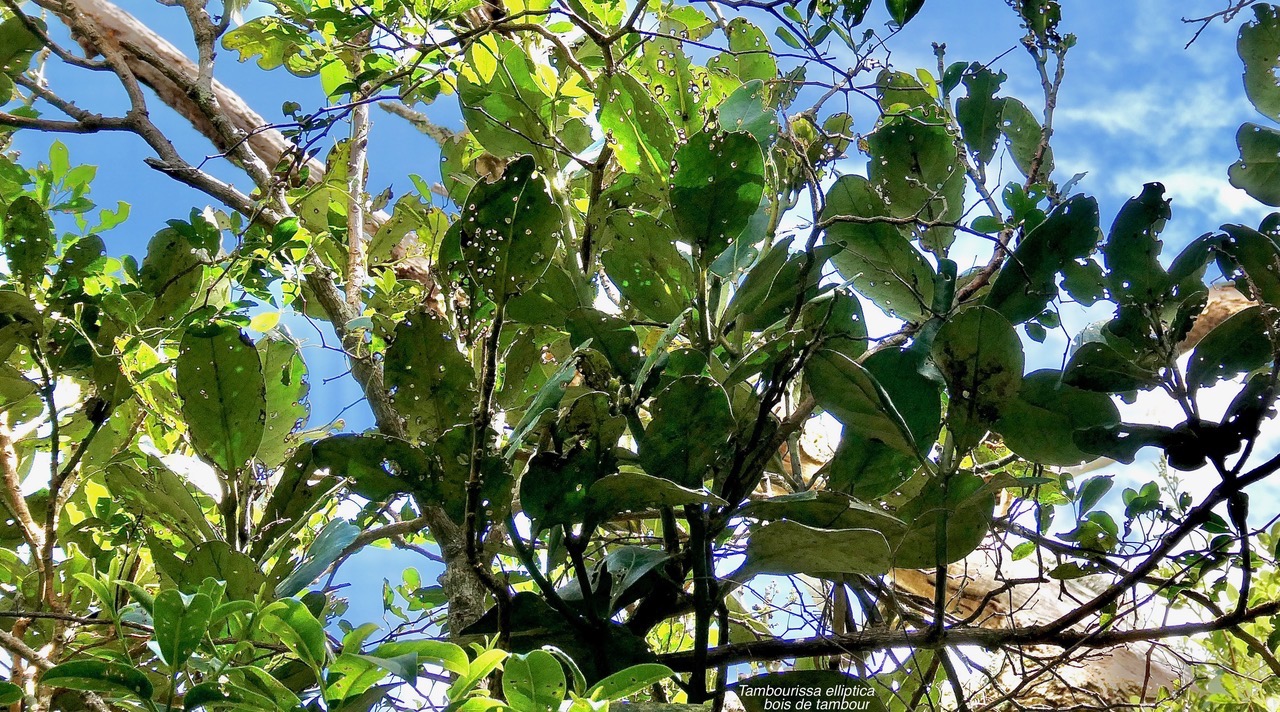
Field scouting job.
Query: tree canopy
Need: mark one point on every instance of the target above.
(625, 367)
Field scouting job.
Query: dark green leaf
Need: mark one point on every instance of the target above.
(510, 230)
(690, 427)
(431, 381)
(1132, 252)
(1259, 46)
(715, 189)
(9, 693)
(963, 502)
(1238, 345)
(99, 676)
(18, 44)
(1092, 492)
(979, 113)
(1040, 424)
(285, 375)
(916, 167)
(634, 491)
(608, 334)
(224, 399)
(845, 389)
(747, 110)
(881, 263)
(172, 273)
(1026, 284)
(903, 10)
(534, 681)
(1257, 258)
(27, 235)
(645, 266)
(180, 624)
(786, 547)
(1023, 133)
(980, 356)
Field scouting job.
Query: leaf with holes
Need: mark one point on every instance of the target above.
(690, 427)
(27, 239)
(224, 399)
(645, 266)
(1025, 284)
(180, 624)
(716, 186)
(431, 381)
(510, 230)
(980, 355)
(639, 130)
(916, 167)
(285, 375)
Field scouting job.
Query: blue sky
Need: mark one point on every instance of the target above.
(1136, 107)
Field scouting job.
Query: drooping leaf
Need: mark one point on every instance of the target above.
(715, 188)
(691, 423)
(979, 354)
(1026, 284)
(328, 547)
(639, 130)
(218, 561)
(510, 230)
(979, 113)
(503, 103)
(823, 510)
(180, 624)
(962, 504)
(1254, 263)
(224, 399)
(630, 491)
(625, 683)
(431, 381)
(610, 335)
(295, 626)
(172, 273)
(881, 263)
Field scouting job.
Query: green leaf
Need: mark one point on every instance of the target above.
(682, 88)
(18, 44)
(1256, 260)
(963, 502)
(610, 335)
(903, 10)
(787, 548)
(350, 676)
(635, 491)
(747, 109)
(431, 381)
(218, 561)
(979, 354)
(27, 238)
(503, 104)
(640, 132)
(1101, 366)
(625, 683)
(485, 663)
(881, 263)
(916, 167)
(645, 266)
(510, 230)
(1041, 422)
(1023, 133)
(715, 189)
(534, 681)
(845, 389)
(1026, 284)
(224, 400)
(979, 113)
(550, 299)
(99, 676)
(285, 375)
(445, 654)
(1132, 251)
(1259, 46)
(220, 694)
(748, 56)
(690, 426)
(180, 624)
(172, 274)
(327, 548)
(1092, 492)
(10, 693)
(290, 621)
(823, 510)
(163, 496)
(1238, 345)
